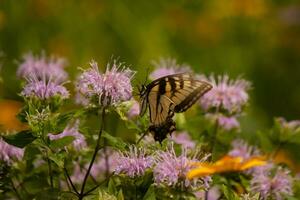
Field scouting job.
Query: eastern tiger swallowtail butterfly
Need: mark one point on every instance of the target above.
(168, 95)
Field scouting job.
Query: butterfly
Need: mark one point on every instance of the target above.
(168, 95)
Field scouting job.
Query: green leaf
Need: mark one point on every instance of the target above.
(58, 159)
(31, 151)
(229, 194)
(35, 183)
(49, 194)
(112, 189)
(150, 194)
(20, 139)
(67, 196)
(62, 142)
(120, 195)
(114, 141)
(264, 140)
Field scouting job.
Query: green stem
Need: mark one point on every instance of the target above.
(106, 159)
(15, 189)
(91, 190)
(97, 148)
(70, 181)
(49, 169)
(214, 137)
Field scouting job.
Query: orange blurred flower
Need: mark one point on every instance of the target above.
(285, 157)
(8, 120)
(225, 164)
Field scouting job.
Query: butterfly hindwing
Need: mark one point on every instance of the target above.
(160, 132)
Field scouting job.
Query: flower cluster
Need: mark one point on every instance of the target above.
(43, 67)
(225, 100)
(110, 88)
(226, 122)
(241, 149)
(229, 95)
(168, 66)
(9, 152)
(293, 125)
(44, 89)
(272, 182)
(134, 162)
(134, 110)
(171, 169)
(184, 139)
(44, 77)
(72, 130)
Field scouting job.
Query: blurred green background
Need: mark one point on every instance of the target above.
(257, 39)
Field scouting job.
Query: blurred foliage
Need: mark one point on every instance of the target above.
(256, 38)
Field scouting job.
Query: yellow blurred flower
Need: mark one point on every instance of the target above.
(8, 120)
(225, 164)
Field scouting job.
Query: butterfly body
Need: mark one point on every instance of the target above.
(168, 95)
(160, 132)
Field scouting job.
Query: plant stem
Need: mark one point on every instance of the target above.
(91, 190)
(70, 181)
(214, 137)
(97, 148)
(49, 169)
(15, 189)
(106, 159)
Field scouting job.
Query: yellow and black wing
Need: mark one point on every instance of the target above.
(169, 94)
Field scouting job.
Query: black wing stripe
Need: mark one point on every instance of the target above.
(161, 91)
(192, 98)
(172, 82)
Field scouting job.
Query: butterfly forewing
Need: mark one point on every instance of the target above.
(173, 93)
(198, 88)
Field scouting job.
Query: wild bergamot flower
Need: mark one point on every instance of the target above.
(168, 66)
(72, 130)
(42, 67)
(171, 170)
(134, 162)
(228, 95)
(109, 88)
(43, 89)
(9, 152)
(272, 182)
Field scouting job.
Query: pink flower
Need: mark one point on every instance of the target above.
(134, 110)
(212, 194)
(42, 67)
(228, 95)
(109, 88)
(133, 163)
(293, 125)
(184, 139)
(44, 89)
(168, 66)
(243, 150)
(9, 152)
(171, 170)
(72, 130)
(226, 123)
(274, 183)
